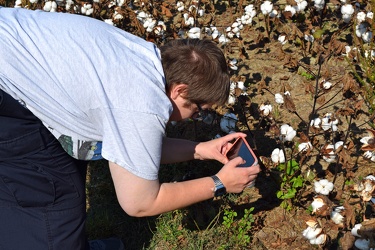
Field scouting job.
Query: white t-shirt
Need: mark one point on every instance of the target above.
(100, 90)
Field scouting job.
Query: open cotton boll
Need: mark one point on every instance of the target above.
(323, 186)
(266, 7)
(194, 33)
(320, 240)
(277, 156)
(287, 132)
(311, 232)
(355, 230)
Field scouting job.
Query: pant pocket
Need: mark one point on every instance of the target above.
(30, 186)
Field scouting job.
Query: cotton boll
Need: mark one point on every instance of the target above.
(194, 33)
(277, 156)
(347, 11)
(355, 230)
(266, 7)
(279, 98)
(336, 215)
(311, 232)
(323, 187)
(367, 36)
(223, 39)
(303, 147)
(320, 240)
(361, 17)
(287, 132)
(291, 9)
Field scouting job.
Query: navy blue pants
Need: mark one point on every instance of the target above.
(42, 188)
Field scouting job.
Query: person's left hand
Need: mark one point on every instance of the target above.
(216, 149)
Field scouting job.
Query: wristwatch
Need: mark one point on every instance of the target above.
(219, 186)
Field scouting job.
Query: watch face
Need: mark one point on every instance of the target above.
(220, 191)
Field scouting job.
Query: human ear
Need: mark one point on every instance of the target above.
(178, 90)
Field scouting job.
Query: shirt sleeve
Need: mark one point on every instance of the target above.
(133, 140)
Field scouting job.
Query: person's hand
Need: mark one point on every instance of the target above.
(216, 149)
(236, 179)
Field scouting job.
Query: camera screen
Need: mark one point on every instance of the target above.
(240, 149)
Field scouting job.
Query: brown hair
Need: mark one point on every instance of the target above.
(201, 65)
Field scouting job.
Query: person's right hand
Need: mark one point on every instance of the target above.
(236, 179)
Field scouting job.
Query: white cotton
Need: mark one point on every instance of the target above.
(316, 122)
(273, 13)
(287, 132)
(231, 100)
(319, 4)
(301, 5)
(304, 146)
(201, 12)
(194, 33)
(233, 64)
(33, 1)
(354, 230)
(277, 156)
(323, 186)
(311, 232)
(50, 6)
(347, 11)
(279, 98)
(367, 36)
(109, 21)
(241, 85)
(265, 109)
(328, 123)
(291, 9)
(309, 38)
(336, 215)
(318, 240)
(361, 17)
(327, 85)
(223, 39)
(282, 39)
(266, 7)
(120, 2)
(317, 204)
(370, 15)
(360, 29)
(180, 6)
